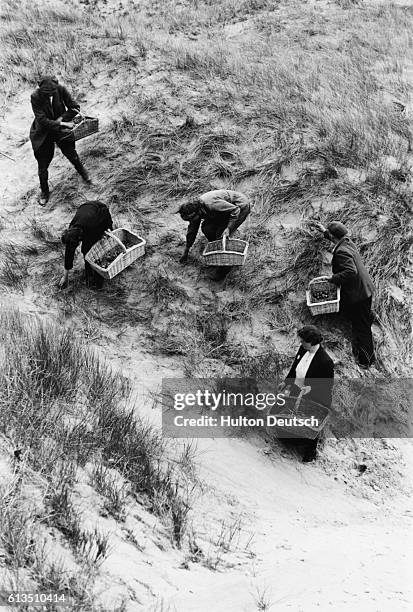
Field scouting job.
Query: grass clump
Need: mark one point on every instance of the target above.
(64, 406)
(114, 492)
(14, 267)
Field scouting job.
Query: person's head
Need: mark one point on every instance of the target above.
(48, 85)
(72, 236)
(336, 231)
(310, 336)
(190, 210)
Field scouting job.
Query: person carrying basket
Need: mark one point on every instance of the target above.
(357, 290)
(311, 377)
(89, 224)
(221, 212)
(53, 108)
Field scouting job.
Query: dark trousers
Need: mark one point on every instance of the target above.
(362, 340)
(44, 155)
(307, 446)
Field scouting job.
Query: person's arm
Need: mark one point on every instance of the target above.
(232, 222)
(109, 220)
(191, 235)
(69, 101)
(69, 257)
(241, 202)
(223, 206)
(347, 267)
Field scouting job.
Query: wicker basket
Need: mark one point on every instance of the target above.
(84, 126)
(326, 307)
(301, 408)
(226, 252)
(123, 260)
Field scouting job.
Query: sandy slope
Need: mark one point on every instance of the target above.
(317, 548)
(319, 542)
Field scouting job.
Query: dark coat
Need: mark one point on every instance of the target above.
(320, 376)
(93, 219)
(350, 273)
(45, 116)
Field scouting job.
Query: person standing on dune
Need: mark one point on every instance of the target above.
(53, 109)
(357, 288)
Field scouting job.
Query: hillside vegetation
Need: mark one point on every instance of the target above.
(304, 106)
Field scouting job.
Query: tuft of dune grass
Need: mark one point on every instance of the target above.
(64, 406)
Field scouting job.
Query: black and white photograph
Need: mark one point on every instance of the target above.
(206, 305)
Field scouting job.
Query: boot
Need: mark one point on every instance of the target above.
(85, 176)
(310, 451)
(44, 186)
(43, 198)
(82, 171)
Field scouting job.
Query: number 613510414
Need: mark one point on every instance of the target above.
(15, 598)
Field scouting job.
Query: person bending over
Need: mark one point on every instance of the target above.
(221, 212)
(88, 226)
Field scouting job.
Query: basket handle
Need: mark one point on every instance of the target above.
(318, 278)
(298, 400)
(109, 233)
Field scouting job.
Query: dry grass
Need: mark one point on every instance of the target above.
(234, 112)
(14, 266)
(63, 406)
(113, 491)
(45, 235)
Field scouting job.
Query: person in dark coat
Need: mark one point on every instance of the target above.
(312, 374)
(221, 212)
(357, 290)
(53, 109)
(88, 226)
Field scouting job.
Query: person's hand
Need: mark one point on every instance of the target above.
(67, 124)
(64, 281)
(286, 391)
(305, 390)
(225, 233)
(318, 225)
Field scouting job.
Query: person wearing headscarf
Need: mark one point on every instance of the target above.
(357, 289)
(53, 108)
(88, 226)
